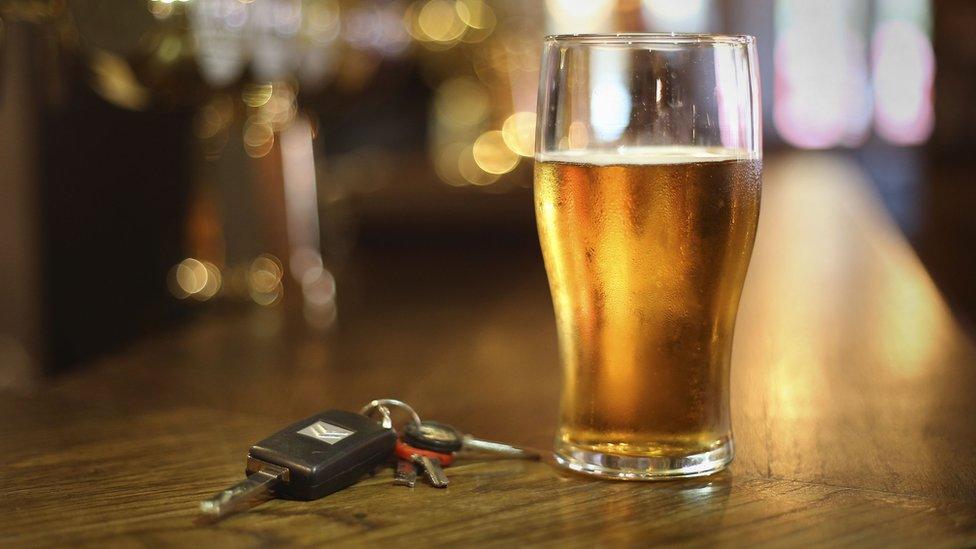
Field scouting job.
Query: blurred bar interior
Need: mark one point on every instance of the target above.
(165, 157)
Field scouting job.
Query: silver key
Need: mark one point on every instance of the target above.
(470, 443)
(406, 473)
(433, 471)
(441, 437)
(257, 486)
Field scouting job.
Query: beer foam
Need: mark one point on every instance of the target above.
(644, 156)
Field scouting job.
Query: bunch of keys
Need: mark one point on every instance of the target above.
(331, 450)
(432, 445)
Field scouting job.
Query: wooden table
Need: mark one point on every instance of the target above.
(852, 404)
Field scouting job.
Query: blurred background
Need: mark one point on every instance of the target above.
(303, 161)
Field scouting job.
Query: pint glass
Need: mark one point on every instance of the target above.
(647, 188)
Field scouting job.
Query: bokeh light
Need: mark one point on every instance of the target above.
(321, 21)
(214, 117)
(518, 132)
(256, 94)
(904, 75)
(264, 280)
(446, 164)
(194, 278)
(378, 28)
(493, 155)
(470, 170)
(281, 107)
(319, 294)
(821, 94)
(677, 15)
(461, 101)
(475, 13)
(578, 136)
(575, 16)
(258, 137)
(161, 9)
(438, 20)
(479, 18)
(170, 48)
(114, 80)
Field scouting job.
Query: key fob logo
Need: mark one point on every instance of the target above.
(325, 432)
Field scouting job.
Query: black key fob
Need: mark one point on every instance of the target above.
(324, 453)
(433, 435)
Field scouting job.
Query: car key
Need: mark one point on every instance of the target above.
(432, 470)
(406, 473)
(309, 459)
(432, 463)
(441, 437)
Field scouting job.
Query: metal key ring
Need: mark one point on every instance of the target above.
(385, 402)
(387, 421)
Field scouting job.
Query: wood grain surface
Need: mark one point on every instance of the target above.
(852, 407)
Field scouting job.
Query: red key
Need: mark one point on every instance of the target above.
(405, 451)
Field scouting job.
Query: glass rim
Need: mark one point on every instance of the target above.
(639, 38)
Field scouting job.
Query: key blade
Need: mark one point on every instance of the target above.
(433, 471)
(406, 474)
(258, 485)
(499, 448)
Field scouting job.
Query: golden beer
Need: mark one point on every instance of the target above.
(646, 251)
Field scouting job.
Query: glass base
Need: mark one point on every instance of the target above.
(631, 467)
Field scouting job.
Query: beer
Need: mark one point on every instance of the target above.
(646, 251)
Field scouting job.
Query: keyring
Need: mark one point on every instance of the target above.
(387, 418)
(390, 402)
